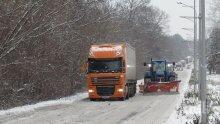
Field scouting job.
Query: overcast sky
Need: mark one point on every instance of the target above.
(175, 10)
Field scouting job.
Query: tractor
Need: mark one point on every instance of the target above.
(160, 76)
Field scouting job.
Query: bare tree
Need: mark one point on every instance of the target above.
(44, 43)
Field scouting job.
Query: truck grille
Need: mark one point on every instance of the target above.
(108, 80)
(105, 90)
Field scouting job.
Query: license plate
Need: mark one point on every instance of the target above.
(105, 97)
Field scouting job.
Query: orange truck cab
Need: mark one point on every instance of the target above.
(111, 71)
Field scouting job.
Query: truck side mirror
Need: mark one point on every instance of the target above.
(145, 64)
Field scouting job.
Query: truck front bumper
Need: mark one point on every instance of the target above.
(98, 92)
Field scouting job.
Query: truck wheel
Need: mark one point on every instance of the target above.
(133, 90)
(127, 92)
(122, 98)
(92, 99)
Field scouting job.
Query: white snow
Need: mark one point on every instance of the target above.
(65, 100)
(142, 109)
(180, 119)
(32, 107)
(214, 78)
(189, 111)
(173, 119)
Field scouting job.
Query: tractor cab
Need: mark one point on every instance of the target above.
(159, 68)
(170, 66)
(159, 71)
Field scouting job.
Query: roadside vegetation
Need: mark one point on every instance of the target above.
(189, 109)
(44, 43)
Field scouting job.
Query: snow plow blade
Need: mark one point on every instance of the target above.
(172, 86)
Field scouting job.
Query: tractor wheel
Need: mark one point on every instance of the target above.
(172, 78)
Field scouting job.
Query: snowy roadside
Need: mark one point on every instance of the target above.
(174, 119)
(33, 107)
(188, 109)
(214, 87)
(142, 109)
(61, 101)
(214, 78)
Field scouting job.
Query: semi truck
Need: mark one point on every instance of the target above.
(111, 71)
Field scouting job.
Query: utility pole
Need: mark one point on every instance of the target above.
(202, 62)
(195, 46)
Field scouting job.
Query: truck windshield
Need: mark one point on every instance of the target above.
(114, 65)
(159, 67)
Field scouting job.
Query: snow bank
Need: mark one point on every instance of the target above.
(174, 117)
(214, 117)
(139, 82)
(32, 107)
(188, 113)
(182, 118)
(65, 100)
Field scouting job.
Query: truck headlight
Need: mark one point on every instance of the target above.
(169, 65)
(91, 91)
(120, 90)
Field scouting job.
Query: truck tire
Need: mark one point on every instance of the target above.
(133, 87)
(92, 99)
(130, 90)
(122, 98)
(127, 92)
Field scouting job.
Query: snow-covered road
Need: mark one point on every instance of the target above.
(141, 109)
